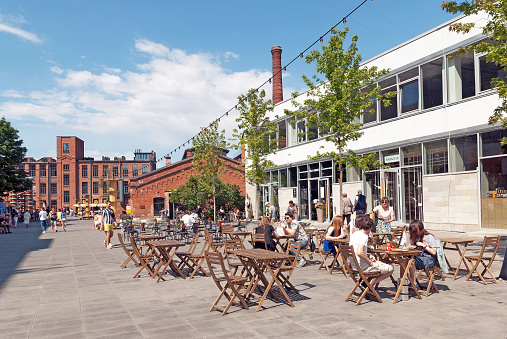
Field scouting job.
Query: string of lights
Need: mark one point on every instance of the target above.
(283, 69)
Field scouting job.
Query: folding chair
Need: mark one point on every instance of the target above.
(146, 260)
(233, 283)
(183, 255)
(398, 235)
(306, 248)
(294, 247)
(214, 246)
(195, 261)
(486, 260)
(321, 236)
(359, 276)
(258, 238)
(231, 245)
(129, 251)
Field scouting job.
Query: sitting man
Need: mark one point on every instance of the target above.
(188, 221)
(296, 231)
(368, 263)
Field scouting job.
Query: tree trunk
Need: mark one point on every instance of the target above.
(340, 168)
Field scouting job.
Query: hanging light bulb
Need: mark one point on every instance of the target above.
(321, 40)
(285, 69)
(345, 21)
(269, 80)
(301, 55)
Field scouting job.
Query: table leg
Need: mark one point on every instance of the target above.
(170, 263)
(461, 259)
(271, 282)
(406, 270)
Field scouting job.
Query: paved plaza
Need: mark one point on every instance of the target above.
(67, 285)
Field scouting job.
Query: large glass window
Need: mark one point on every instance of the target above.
(53, 170)
(291, 132)
(115, 171)
(390, 111)
(491, 143)
(145, 168)
(409, 90)
(125, 170)
(84, 186)
(303, 172)
(66, 197)
(436, 157)
(495, 170)
(293, 177)
(489, 71)
(283, 177)
(432, 84)
(282, 134)
(104, 171)
(460, 77)
(66, 148)
(66, 180)
(314, 170)
(370, 114)
(412, 155)
(54, 188)
(42, 168)
(32, 170)
(301, 131)
(95, 185)
(326, 168)
(84, 171)
(135, 170)
(353, 174)
(66, 167)
(43, 188)
(95, 171)
(391, 158)
(464, 153)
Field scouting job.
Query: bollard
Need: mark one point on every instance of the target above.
(503, 270)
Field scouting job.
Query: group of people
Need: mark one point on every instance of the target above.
(11, 217)
(54, 218)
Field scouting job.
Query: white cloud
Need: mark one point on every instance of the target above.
(20, 33)
(159, 104)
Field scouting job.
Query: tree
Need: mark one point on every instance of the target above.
(495, 47)
(208, 147)
(335, 104)
(12, 154)
(254, 135)
(189, 194)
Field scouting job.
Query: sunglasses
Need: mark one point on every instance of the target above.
(286, 218)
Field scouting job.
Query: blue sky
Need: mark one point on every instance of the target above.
(125, 75)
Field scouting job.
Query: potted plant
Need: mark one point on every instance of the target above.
(320, 212)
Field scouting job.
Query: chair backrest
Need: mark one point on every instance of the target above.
(227, 228)
(490, 242)
(320, 235)
(259, 237)
(141, 233)
(216, 259)
(135, 249)
(398, 235)
(293, 246)
(233, 244)
(193, 244)
(120, 238)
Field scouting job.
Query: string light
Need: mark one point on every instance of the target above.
(284, 69)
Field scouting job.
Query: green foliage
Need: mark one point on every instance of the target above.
(335, 104)
(496, 48)
(253, 133)
(12, 153)
(189, 194)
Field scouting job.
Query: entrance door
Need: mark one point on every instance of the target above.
(268, 193)
(389, 186)
(324, 197)
(412, 194)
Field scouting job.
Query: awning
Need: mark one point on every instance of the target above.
(76, 205)
(101, 205)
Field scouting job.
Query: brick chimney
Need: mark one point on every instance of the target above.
(167, 160)
(276, 54)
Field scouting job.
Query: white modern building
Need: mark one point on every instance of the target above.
(446, 163)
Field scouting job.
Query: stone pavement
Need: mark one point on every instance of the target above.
(68, 285)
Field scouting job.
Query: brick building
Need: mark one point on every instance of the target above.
(149, 193)
(65, 181)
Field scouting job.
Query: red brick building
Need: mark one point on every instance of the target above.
(66, 181)
(149, 193)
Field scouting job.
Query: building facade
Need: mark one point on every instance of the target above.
(446, 164)
(65, 182)
(150, 192)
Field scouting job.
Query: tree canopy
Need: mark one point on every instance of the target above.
(495, 47)
(12, 154)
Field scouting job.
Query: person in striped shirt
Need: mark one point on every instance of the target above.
(108, 223)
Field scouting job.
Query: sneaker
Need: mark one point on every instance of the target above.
(302, 263)
(105, 245)
(109, 246)
(43, 231)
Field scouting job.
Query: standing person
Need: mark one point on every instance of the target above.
(15, 217)
(271, 213)
(385, 215)
(347, 208)
(248, 213)
(108, 223)
(27, 217)
(43, 215)
(296, 231)
(368, 263)
(293, 209)
(63, 220)
(53, 217)
(360, 203)
(199, 211)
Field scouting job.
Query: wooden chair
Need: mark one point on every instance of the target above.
(195, 261)
(286, 271)
(233, 283)
(306, 248)
(321, 236)
(486, 260)
(183, 255)
(146, 260)
(258, 238)
(231, 245)
(214, 246)
(398, 235)
(359, 276)
(128, 251)
(226, 229)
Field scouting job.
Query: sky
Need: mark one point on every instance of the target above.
(127, 74)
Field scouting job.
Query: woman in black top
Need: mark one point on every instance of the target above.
(269, 232)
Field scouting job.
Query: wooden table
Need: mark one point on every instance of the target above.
(237, 234)
(456, 242)
(151, 237)
(396, 256)
(278, 244)
(257, 261)
(338, 256)
(162, 249)
(381, 236)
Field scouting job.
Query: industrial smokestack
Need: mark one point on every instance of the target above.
(276, 54)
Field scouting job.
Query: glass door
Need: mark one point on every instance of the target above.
(389, 187)
(412, 194)
(324, 197)
(303, 199)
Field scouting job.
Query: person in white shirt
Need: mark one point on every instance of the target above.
(43, 215)
(368, 263)
(187, 219)
(26, 218)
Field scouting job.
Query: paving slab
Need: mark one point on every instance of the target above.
(67, 285)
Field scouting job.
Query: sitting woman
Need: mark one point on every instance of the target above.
(421, 239)
(334, 232)
(269, 232)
